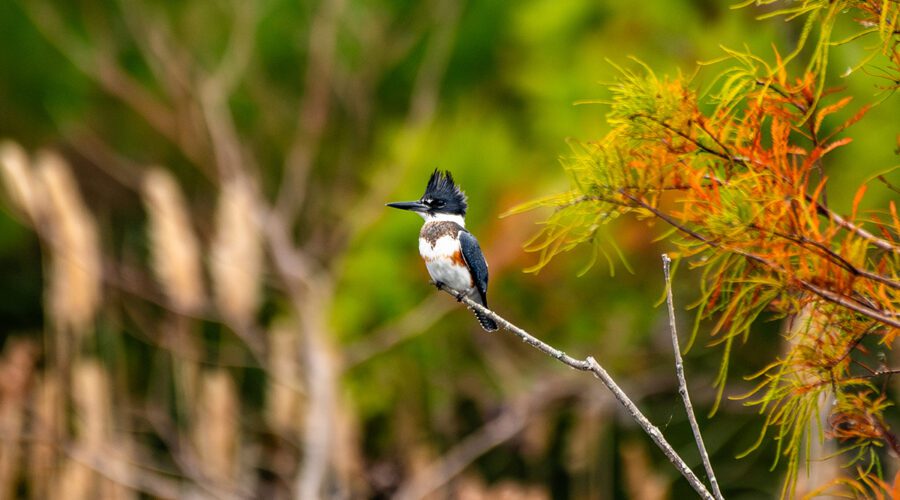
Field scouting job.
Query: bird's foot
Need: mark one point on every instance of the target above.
(441, 286)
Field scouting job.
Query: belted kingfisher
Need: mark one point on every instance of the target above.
(452, 255)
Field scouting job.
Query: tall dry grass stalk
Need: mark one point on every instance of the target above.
(237, 255)
(215, 428)
(17, 177)
(16, 369)
(75, 481)
(174, 245)
(92, 395)
(642, 481)
(93, 410)
(73, 293)
(47, 427)
(283, 401)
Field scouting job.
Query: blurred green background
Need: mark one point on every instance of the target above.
(375, 95)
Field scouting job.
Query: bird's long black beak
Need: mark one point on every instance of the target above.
(412, 206)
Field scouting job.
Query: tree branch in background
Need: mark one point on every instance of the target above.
(314, 111)
(591, 365)
(416, 320)
(426, 91)
(821, 208)
(682, 383)
(509, 423)
(826, 294)
(97, 62)
(495, 432)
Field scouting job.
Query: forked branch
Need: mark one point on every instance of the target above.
(591, 365)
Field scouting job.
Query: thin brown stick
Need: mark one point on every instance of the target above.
(127, 474)
(499, 430)
(174, 68)
(817, 164)
(682, 383)
(98, 63)
(421, 113)
(591, 365)
(185, 456)
(840, 221)
(315, 108)
(508, 424)
(415, 321)
(833, 256)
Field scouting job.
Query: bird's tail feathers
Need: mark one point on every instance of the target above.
(487, 323)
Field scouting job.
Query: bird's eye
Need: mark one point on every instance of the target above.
(437, 203)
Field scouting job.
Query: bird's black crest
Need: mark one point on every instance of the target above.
(441, 187)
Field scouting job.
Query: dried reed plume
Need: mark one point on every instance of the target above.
(237, 254)
(16, 368)
(75, 272)
(175, 249)
(215, 428)
(16, 173)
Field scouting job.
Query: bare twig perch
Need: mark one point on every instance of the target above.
(589, 364)
(682, 383)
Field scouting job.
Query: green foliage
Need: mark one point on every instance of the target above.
(739, 174)
(481, 88)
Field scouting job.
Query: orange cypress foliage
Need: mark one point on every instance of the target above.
(752, 213)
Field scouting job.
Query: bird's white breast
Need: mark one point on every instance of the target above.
(444, 263)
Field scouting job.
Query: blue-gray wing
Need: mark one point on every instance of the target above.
(471, 253)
